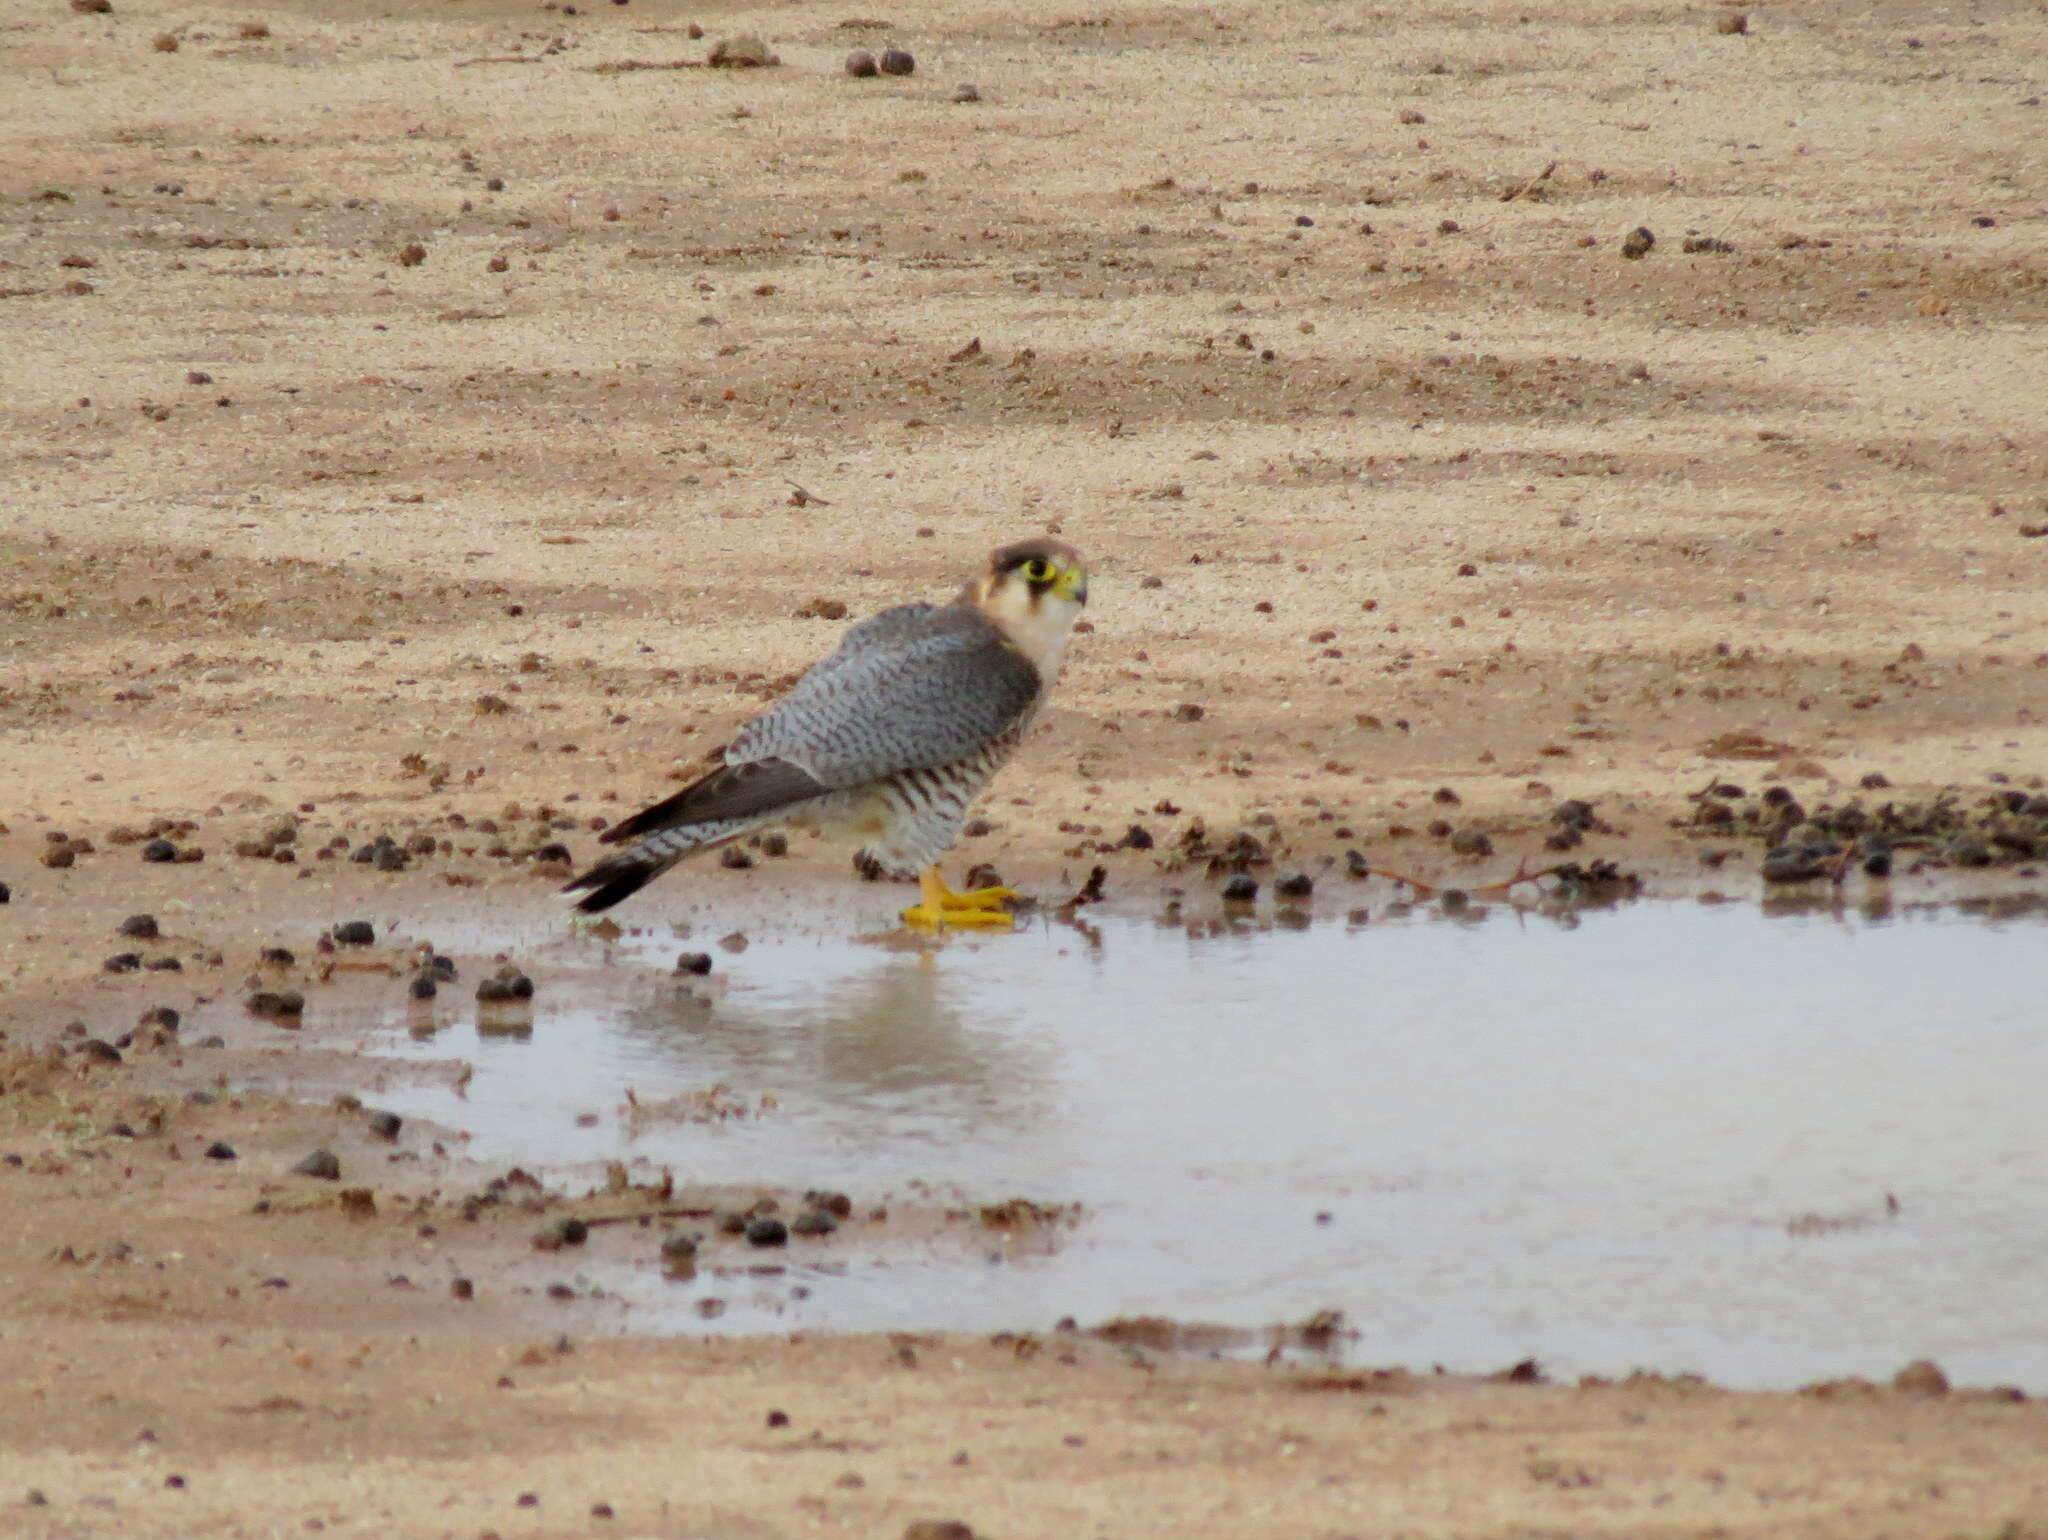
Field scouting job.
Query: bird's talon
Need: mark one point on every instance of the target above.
(924, 917)
(983, 898)
(941, 906)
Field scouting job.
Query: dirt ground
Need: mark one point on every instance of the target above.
(422, 421)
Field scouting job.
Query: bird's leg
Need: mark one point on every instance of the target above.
(940, 905)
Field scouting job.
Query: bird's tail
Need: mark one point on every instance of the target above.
(621, 876)
(614, 878)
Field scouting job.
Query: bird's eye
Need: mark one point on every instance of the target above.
(1037, 570)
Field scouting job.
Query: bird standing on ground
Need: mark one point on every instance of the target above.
(888, 740)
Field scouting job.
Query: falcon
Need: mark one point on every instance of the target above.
(887, 741)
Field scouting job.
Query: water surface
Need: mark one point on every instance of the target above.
(1662, 1135)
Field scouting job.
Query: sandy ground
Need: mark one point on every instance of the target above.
(410, 425)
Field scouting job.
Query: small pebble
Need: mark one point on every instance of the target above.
(1295, 885)
(966, 93)
(159, 850)
(122, 962)
(355, 933)
(1240, 890)
(323, 1164)
(1637, 243)
(100, 1050)
(220, 1151)
(861, 64)
(462, 1288)
(1468, 841)
(811, 1222)
(385, 1125)
(767, 1231)
(896, 61)
(694, 962)
(557, 1233)
(938, 1529)
(1921, 1377)
(423, 986)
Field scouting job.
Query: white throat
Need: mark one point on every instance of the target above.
(1039, 631)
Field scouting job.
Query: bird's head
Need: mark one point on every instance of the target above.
(1034, 590)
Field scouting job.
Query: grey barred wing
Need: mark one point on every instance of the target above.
(914, 688)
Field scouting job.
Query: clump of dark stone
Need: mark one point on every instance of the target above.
(679, 1252)
(384, 853)
(161, 1017)
(1573, 820)
(812, 1221)
(138, 927)
(1242, 852)
(734, 859)
(98, 1050)
(557, 1233)
(1294, 885)
(159, 850)
(698, 963)
(423, 985)
(1241, 890)
(896, 61)
(355, 933)
(507, 984)
(1597, 882)
(767, 1230)
(385, 1125)
(220, 1150)
(6, 894)
(276, 1005)
(122, 962)
(277, 957)
(2003, 827)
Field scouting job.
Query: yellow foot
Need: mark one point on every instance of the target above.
(940, 905)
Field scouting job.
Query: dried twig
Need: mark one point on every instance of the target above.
(652, 1213)
(627, 66)
(501, 58)
(1526, 189)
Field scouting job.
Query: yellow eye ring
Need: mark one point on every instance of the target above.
(1038, 570)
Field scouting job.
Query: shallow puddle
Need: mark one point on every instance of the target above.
(1662, 1135)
